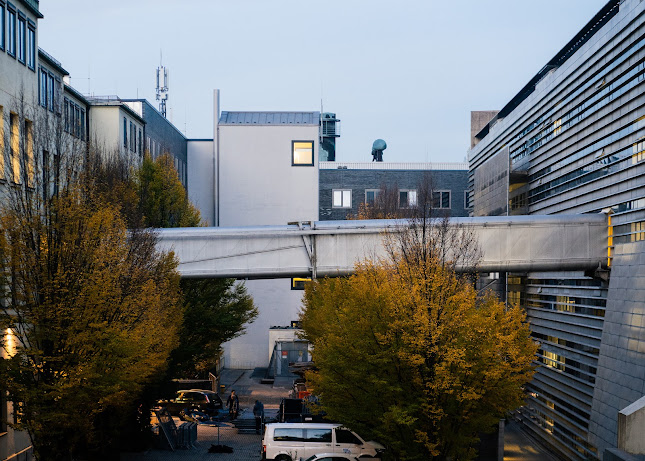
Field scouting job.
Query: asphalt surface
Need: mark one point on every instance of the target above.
(518, 446)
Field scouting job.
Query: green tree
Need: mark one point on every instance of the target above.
(216, 310)
(407, 352)
(92, 312)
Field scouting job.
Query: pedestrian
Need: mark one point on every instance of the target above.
(258, 412)
(233, 404)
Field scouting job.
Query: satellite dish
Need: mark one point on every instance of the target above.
(378, 147)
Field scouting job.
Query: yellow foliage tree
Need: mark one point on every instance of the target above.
(92, 310)
(407, 352)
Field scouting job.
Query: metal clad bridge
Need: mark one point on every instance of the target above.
(331, 248)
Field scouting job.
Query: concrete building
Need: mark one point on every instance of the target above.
(116, 128)
(571, 141)
(261, 168)
(161, 137)
(345, 186)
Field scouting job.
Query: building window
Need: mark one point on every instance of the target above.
(42, 92)
(11, 29)
(2, 25)
(46, 174)
(441, 199)
(125, 133)
(22, 39)
(371, 195)
(58, 88)
(77, 119)
(50, 92)
(302, 153)
(29, 160)
(466, 198)
(31, 46)
(82, 123)
(140, 144)
(407, 198)
(299, 283)
(14, 145)
(342, 198)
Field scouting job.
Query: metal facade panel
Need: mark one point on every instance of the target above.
(269, 118)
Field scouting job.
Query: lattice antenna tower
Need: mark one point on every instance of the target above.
(162, 87)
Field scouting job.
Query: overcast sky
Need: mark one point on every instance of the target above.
(409, 72)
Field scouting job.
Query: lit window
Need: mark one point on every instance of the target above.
(342, 198)
(302, 153)
(441, 199)
(11, 29)
(407, 198)
(299, 283)
(15, 147)
(29, 153)
(22, 38)
(371, 196)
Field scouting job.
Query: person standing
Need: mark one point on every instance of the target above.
(258, 412)
(233, 404)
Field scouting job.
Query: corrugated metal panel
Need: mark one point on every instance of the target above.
(269, 118)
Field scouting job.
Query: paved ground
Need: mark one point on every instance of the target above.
(519, 447)
(246, 447)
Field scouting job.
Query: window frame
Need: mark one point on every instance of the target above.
(31, 45)
(3, 24)
(408, 204)
(342, 198)
(376, 193)
(441, 192)
(21, 42)
(42, 87)
(11, 31)
(293, 153)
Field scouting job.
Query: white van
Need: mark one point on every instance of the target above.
(298, 441)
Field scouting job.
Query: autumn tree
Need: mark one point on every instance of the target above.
(408, 352)
(91, 309)
(216, 310)
(162, 197)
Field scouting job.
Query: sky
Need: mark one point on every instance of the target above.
(408, 72)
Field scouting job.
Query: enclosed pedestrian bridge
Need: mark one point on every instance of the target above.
(332, 248)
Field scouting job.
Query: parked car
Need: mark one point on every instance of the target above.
(295, 441)
(332, 457)
(193, 400)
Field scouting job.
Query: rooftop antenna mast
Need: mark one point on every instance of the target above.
(162, 86)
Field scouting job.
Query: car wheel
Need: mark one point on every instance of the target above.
(282, 458)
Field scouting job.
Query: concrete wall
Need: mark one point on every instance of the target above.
(259, 186)
(278, 305)
(105, 128)
(257, 183)
(201, 181)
